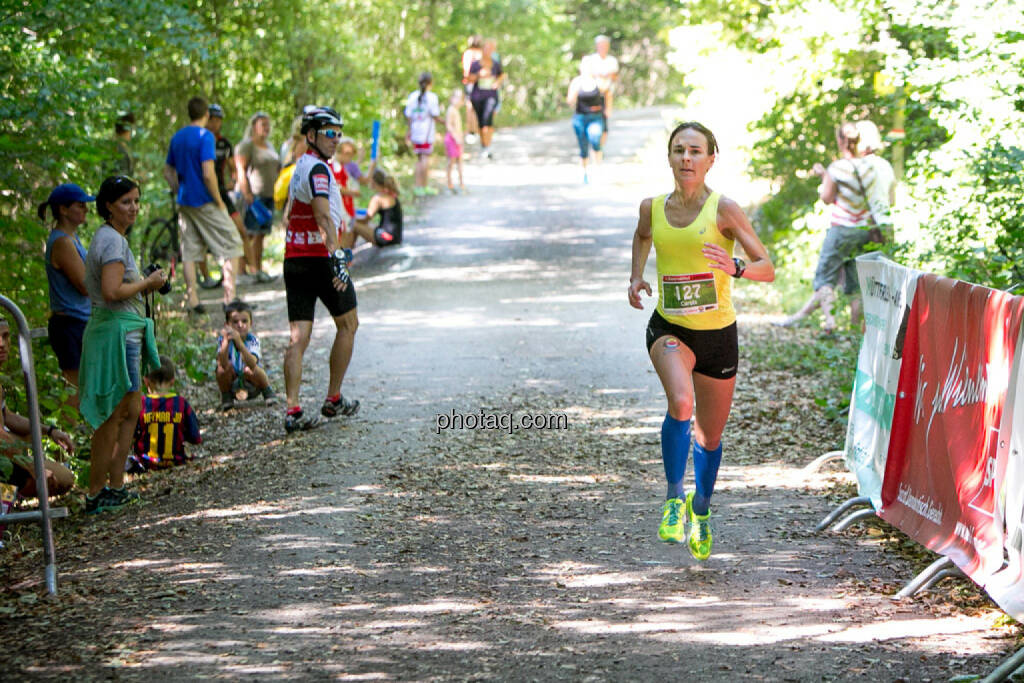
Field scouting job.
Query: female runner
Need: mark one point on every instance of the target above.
(691, 337)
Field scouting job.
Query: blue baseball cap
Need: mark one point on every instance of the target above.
(63, 195)
(67, 193)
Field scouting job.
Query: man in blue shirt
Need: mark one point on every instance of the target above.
(202, 215)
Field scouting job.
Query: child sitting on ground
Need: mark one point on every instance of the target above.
(239, 374)
(453, 138)
(385, 204)
(166, 422)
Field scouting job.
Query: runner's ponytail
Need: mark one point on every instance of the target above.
(425, 80)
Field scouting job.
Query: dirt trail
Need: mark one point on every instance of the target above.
(379, 549)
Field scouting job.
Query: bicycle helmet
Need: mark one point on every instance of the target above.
(217, 110)
(315, 118)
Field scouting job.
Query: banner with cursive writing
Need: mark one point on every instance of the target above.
(939, 484)
(888, 289)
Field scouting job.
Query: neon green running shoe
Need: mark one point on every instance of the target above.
(699, 539)
(673, 522)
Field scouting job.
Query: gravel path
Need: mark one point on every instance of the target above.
(380, 549)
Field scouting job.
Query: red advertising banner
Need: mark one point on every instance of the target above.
(940, 474)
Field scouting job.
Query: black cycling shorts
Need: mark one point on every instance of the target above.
(717, 351)
(308, 278)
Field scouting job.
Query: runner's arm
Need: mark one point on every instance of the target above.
(65, 258)
(642, 241)
(573, 93)
(733, 223)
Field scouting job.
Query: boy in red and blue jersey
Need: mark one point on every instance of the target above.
(166, 422)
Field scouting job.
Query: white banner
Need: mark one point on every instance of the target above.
(887, 289)
(1006, 586)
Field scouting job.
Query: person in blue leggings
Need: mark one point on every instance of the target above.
(588, 100)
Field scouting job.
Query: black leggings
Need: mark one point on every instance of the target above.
(485, 104)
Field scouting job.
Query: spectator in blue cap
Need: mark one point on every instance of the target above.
(65, 273)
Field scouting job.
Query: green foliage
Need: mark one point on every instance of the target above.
(961, 92)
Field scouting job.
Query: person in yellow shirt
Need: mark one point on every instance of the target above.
(691, 336)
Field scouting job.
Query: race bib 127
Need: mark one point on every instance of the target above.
(688, 294)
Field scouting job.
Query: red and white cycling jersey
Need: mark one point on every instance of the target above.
(311, 178)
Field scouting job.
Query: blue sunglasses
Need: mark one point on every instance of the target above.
(331, 134)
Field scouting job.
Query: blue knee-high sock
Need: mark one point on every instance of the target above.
(705, 472)
(675, 449)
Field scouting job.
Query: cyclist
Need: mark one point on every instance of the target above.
(316, 268)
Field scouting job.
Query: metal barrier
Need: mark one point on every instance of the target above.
(44, 514)
(857, 501)
(1014, 664)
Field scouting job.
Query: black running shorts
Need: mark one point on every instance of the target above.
(717, 351)
(308, 278)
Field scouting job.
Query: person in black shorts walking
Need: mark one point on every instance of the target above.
(316, 268)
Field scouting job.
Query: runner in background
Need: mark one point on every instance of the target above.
(691, 336)
(469, 55)
(605, 70)
(422, 110)
(587, 100)
(486, 75)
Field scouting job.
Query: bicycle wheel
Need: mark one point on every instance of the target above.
(160, 242)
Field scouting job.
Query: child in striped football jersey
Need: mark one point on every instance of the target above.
(166, 422)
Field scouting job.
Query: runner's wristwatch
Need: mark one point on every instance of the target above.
(741, 266)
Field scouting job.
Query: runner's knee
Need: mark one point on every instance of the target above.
(680, 406)
(347, 323)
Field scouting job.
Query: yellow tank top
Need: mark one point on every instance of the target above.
(690, 293)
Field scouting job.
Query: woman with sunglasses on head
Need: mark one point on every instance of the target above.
(65, 274)
(116, 340)
(257, 166)
(691, 336)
